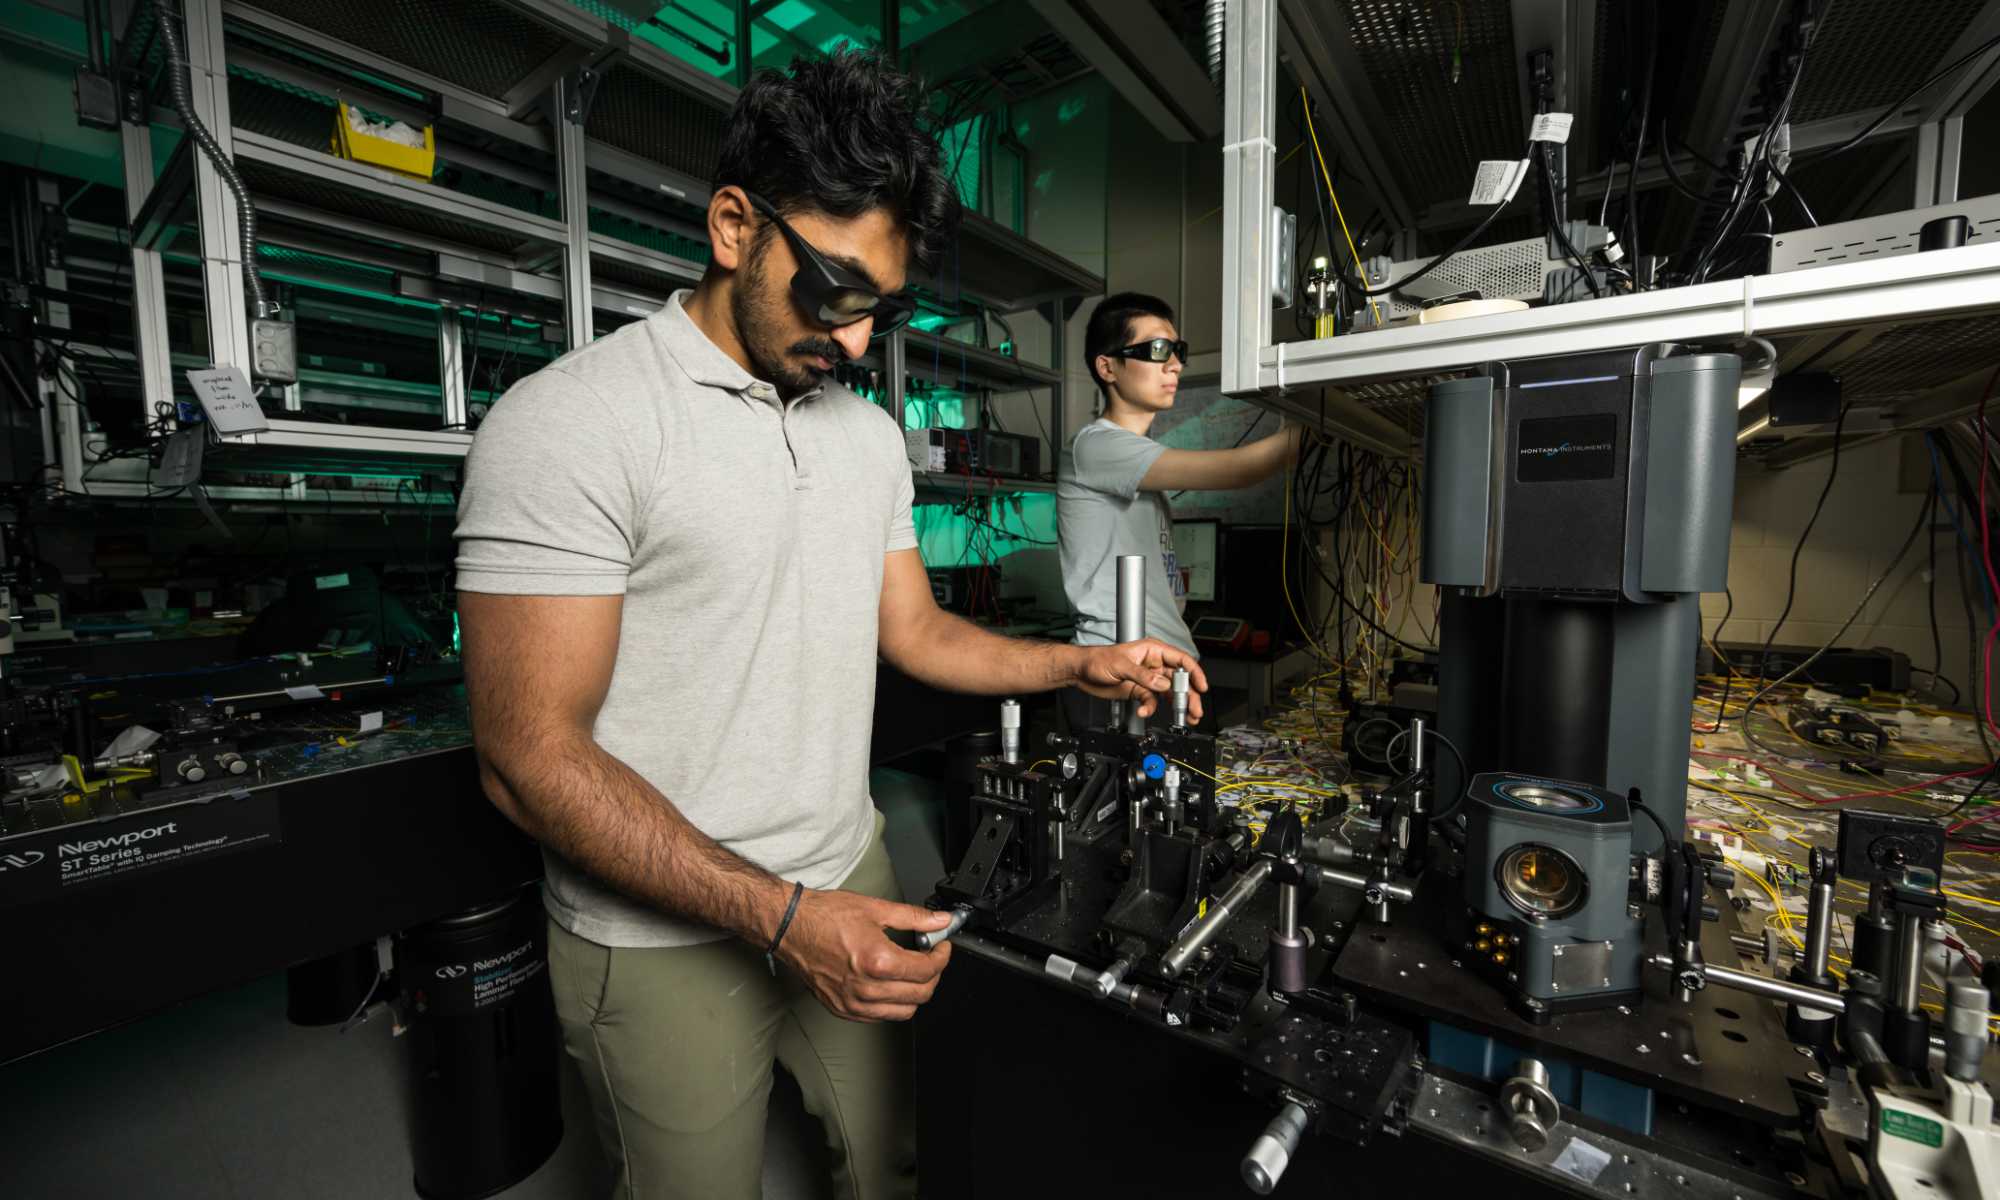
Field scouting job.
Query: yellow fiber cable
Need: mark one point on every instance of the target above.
(1328, 176)
(1284, 558)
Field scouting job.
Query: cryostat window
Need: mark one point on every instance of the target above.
(1554, 799)
(1541, 880)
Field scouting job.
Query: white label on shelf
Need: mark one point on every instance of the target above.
(308, 692)
(1551, 127)
(1497, 180)
(180, 462)
(229, 401)
(371, 722)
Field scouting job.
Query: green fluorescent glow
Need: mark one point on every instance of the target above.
(790, 15)
(945, 538)
(1071, 109)
(935, 409)
(961, 146)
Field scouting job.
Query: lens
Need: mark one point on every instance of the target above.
(1541, 880)
(842, 305)
(1544, 797)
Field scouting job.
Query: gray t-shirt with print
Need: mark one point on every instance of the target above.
(1102, 515)
(747, 536)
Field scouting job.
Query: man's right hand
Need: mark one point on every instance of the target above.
(837, 944)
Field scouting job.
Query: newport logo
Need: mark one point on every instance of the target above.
(72, 849)
(454, 971)
(26, 858)
(1565, 448)
(487, 964)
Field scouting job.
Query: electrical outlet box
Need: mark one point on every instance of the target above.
(274, 351)
(1285, 239)
(96, 97)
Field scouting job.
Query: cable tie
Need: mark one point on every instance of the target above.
(1265, 142)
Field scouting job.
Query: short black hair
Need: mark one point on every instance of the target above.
(842, 135)
(1110, 325)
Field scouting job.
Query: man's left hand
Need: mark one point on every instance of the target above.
(1139, 671)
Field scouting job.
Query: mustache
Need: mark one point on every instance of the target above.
(826, 348)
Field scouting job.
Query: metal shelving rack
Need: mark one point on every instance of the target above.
(1006, 273)
(485, 69)
(528, 98)
(1905, 332)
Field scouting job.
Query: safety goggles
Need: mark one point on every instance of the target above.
(829, 292)
(1154, 350)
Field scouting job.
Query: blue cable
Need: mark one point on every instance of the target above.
(1951, 510)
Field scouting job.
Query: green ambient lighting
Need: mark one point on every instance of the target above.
(945, 537)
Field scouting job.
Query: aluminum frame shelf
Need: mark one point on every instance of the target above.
(1932, 286)
(1889, 294)
(493, 76)
(1009, 272)
(309, 446)
(927, 354)
(277, 169)
(939, 483)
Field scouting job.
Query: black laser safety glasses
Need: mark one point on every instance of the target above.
(829, 292)
(1154, 350)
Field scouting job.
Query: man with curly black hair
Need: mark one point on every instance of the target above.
(682, 549)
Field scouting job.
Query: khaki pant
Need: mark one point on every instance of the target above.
(676, 1047)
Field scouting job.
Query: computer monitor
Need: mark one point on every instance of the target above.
(1195, 544)
(1254, 560)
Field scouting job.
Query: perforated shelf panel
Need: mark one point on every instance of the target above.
(480, 45)
(1901, 363)
(1406, 51)
(279, 110)
(1870, 52)
(265, 180)
(642, 114)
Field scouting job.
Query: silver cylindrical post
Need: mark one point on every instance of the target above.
(1178, 955)
(1132, 619)
(1131, 597)
(1965, 1029)
(1171, 805)
(1760, 985)
(1385, 889)
(1819, 928)
(1180, 697)
(1287, 956)
(1272, 1152)
(1908, 962)
(1112, 976)
(1010, 731)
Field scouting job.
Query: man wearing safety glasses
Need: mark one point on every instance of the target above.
(1112, 482)
(681, 550)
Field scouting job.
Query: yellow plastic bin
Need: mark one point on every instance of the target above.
(381, 152)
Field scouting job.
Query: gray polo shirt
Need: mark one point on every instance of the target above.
(1102, 515)
(747, 537)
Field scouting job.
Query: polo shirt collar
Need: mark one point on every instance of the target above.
(705, 362)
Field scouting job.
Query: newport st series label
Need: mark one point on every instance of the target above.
(52, 862)
(1567, 448)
